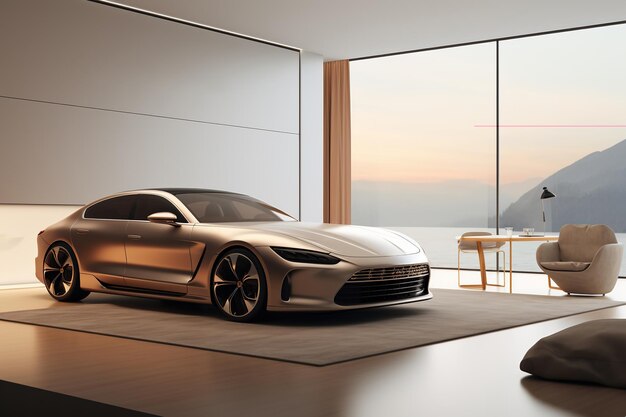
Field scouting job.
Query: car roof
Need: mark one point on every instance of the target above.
(176, 191)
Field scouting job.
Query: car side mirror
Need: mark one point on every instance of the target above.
(163, 218)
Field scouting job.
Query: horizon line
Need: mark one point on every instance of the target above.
(552, 126)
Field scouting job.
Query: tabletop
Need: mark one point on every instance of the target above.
(505, 238)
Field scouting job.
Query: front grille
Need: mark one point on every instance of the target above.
(392, 272)
(377, 285)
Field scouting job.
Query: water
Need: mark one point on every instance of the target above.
(440, 246)
(18, 247)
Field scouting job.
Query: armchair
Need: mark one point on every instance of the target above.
(585, 260)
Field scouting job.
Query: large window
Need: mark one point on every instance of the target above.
(419, 164)
(424, 138)
(563, 125)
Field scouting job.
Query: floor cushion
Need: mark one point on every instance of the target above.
(594, 351)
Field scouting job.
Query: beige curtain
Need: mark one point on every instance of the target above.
(337, 181)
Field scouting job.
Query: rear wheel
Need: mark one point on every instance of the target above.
(61, 275)
(238, 287)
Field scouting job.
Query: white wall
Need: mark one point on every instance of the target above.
(312, 136)
(19, 225)
(60, 154)
(154, 96)
(95, 99)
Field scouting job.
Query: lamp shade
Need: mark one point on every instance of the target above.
(546, 194)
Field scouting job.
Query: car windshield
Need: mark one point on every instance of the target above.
(221, 208)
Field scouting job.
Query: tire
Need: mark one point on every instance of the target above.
(238, 286)
(61, 273)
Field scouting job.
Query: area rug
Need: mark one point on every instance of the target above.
(312, 339)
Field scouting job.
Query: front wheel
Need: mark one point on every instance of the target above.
(238, 287)
(61, 275)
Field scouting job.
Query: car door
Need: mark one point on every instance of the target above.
(158, 255)
(99, 238)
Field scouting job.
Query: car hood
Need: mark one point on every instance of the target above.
(345, 240)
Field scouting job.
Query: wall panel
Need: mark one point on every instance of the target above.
(89, 54)
(109, 99)
(66, 155)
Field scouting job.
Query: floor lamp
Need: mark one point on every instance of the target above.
(544, 196)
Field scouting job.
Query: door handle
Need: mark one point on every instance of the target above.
(82, 231)
(134, 237)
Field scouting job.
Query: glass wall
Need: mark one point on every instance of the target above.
(424, 139)
(563, 125)
(419, 164)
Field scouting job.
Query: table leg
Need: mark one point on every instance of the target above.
(510, 266)
(481, 261)
(554, 287)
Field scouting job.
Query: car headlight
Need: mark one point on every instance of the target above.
(305, 256)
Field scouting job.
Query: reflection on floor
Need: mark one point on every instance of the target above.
(523, 283)
(473, 376)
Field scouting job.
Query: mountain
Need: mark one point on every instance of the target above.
(511, 192)
(591, 190)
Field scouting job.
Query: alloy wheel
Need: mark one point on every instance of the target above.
(58, 271)
(236, 285)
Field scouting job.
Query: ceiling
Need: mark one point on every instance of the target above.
(339, 29)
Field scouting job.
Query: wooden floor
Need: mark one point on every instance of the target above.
(475, 376)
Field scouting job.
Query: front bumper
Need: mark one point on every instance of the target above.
(313, 287)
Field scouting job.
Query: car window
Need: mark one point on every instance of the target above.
(116, 208)
(149, 204)
(220, 208)
(253, 212)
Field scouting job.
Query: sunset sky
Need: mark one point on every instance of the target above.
(415, 116)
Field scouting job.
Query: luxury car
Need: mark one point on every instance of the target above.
(227, 249)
